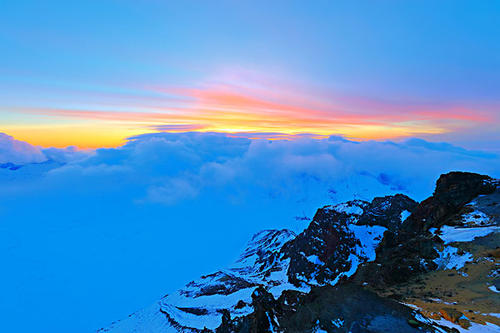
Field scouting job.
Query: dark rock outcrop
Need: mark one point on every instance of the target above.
(411, 250)
(388, 211)
(329, 240)
(324, 251)
(344, 308)
(453, 191)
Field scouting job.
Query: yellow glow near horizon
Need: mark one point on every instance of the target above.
(110, 135)
(79, 136)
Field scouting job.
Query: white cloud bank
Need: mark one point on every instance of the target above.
(168, 168)
(18, 152)
(92, 236)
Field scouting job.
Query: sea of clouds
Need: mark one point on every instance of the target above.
(88, 236)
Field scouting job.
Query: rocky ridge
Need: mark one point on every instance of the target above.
(391, 264)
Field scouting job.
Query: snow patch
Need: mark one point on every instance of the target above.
(369, 237)
(474, 328)
(318, 329)
(454, 234)
(450, 259)
(494, 289)
(476, 218)
(338, 322)
(315, 259)
(350, 208)
(209, 307)
(147, 320)
(404, 215)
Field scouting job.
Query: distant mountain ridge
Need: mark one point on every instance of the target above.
(391, 264)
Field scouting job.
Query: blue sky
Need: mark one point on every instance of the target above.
(98, 55)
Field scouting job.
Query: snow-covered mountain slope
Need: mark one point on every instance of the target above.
(330, 248)
(279, 272)
(200, 304)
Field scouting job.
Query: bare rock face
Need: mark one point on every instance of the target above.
(389, 211)
(453, 191)
(396, 264)
(341, 237)
(322, 251)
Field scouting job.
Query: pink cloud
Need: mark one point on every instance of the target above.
(260, 107)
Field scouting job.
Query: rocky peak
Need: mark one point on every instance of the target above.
(388, 211)
(453, 191)
(412, 250)
(321, 252)
(263, 247)
(342, 236)
(458, 188)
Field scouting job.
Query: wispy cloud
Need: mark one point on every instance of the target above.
(176, 127)
(260, 107)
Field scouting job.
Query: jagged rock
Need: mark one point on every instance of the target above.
(266, 309)
(411, 250)
(453, 191)
(341, 237)
(397, 262)
(322, 251)
(290, 299)
(263, 319)
(389, 211)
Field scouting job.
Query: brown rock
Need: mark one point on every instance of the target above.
(495, 253)
(465, 323)
(455, 316)
(431, 315)
(450, 314)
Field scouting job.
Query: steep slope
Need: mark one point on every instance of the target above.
(359, 266)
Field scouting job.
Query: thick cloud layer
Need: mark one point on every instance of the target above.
(18, 152)
(91, 236)
(175, 167)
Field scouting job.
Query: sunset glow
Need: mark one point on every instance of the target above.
(238, 110)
